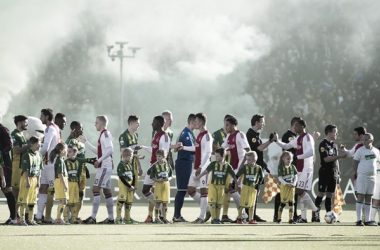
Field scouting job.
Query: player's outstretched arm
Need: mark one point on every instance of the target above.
(146, 148)
(200, 175)
(83, 139)
(283, 145)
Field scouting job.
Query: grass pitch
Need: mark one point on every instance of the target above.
(188, 236)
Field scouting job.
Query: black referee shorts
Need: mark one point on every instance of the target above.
(328, 179)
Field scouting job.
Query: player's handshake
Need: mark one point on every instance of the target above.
(82, 138)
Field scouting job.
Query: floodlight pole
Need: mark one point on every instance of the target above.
(120, 54)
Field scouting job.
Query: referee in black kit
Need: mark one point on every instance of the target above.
(256, 144)
(329, 173)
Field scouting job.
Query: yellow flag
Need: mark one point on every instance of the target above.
(271, 189)
(338, 200)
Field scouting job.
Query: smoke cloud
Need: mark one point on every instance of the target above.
(197, 56)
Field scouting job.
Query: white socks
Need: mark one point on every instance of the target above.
(109, 206)
(204, 204)
(308, 201)
(42, 198)
(236, 197)
(95, 206)
(374, 210)
(197, 197)
(359, 207)
(367, 211)
(303, 208)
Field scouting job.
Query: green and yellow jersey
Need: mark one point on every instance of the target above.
(74, 168)
(125, 170)
(251, 175)
(18, 139)
(60, 167)
(219, 137)
(81, 151)
(219, 172)
(287, 172)
(79, 145)
(161, 171)
(32, 162)
(126, 139)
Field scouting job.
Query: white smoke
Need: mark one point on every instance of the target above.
(30, 31)
(194, 56)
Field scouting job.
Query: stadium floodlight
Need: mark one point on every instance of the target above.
(120, 54)
(134, 49)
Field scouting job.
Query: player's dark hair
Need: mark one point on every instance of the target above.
(256, 118)
(221, 151)
(227, 116)
(75, 123)
(132, 118)
(59, 116)
(19, 118)
(232, 120)
(191, 118)
(49, 113)
(360, 130)
(160, 119)
(284, 154)
(74, 148)
(161, 152)
(294, 120)
(33, 140)
(302, 122)
(56, 151)
(202, 117)
(329, 129)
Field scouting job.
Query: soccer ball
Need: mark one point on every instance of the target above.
(331, 217)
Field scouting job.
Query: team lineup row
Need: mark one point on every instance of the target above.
(59, 169)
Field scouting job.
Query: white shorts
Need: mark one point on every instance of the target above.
(376, 195)
(305, 180)
(103, 178)
(48, 175)
(148, 180)
(202, 183)
(365, 184)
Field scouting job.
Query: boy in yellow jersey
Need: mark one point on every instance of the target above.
(74, 167)
(126, 174)
(130, 139)
(287, 175)
(221, 172)
(57, 157)
(31, 164)
(250, 174)
(219, 137)
(72, 141)
(161, 173)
